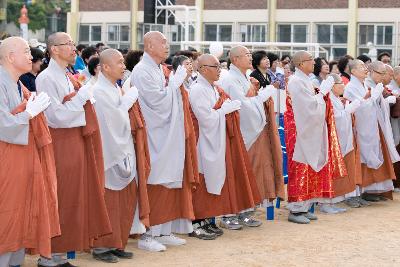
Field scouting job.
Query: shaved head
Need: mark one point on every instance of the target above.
(61, 48)
(353, 64)
(206, 59)
(15, 56)
(396, 70)
(241, 57)
(108, 55)
(55, 39)
(156, 46)
(112, 64)
(299, 57)
(304, 61)
(209, 67)
(237, 51)
(378, 66)
(10, 44)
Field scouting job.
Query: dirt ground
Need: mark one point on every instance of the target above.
(360, 237)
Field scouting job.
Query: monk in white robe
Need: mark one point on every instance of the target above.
(168, 184)
(374, 133)
(310, 152)
(119, 156)
(348, 187)
(78, 155)
(259, 130)
(28, 203)
(227, 183)
(394, 87)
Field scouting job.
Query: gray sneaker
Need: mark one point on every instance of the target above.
(353, 202)
(311, 216)
(230, 223)
(246, 220)
(362, 202)
(298, 218)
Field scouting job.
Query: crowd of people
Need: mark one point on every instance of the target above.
(98, 145)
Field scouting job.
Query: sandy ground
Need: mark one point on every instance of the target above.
(360, 237)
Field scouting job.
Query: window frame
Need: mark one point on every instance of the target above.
(90, 41)
(292, 25)
(239, 32)
(218, 31)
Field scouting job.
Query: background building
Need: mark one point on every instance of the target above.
(340, 26)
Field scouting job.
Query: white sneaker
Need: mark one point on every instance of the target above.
(396, 190)
(170, 240)
(326, 208)
(149, 243)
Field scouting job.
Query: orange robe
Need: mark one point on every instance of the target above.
(239, 191)
(29, 208)
(170, 204)
(80, 176)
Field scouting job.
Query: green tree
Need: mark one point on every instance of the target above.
(37, 12)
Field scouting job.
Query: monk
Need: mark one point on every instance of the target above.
(78, 155)
(227, 183)
(258, 127)
(172, 145)
(374, 133)
(346, 188)
(28, 203)
(394, 87)
(119, 156)
(314, 155)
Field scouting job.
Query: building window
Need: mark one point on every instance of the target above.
(381, 36)
(252, 33)
(89, 34)
(297, 33)
(218, 32)
(333, 37)
(118, 36)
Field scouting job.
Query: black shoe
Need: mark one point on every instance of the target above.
(212, 228)
(122, 254)
(67, 264)
(106, 257)
(200, 233)
(370, 197)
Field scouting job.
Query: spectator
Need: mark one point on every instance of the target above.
(79, 64)
(384, 57)
(321, 70)
(277, 78)
(131, 59)
(333, 67)
(28, 79)
(343, 66)
(261, 64)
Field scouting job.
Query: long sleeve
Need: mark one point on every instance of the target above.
(14, 129)
(61, 115)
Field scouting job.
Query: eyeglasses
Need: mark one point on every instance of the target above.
(68, 44)
(380, 73)
(218, 67)
(310, 59)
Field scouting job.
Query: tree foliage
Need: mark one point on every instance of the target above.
(37, 12)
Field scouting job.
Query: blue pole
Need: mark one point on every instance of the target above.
(278, 203)
(71, 255)
(270, 211)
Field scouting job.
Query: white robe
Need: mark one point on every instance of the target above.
(369, 115)
(54, 81)
(309, 114)
(14, 129)
(252, 114)
(117, 141)
(163, 111)
(344, 126)
(395, 121)
(211, 145)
